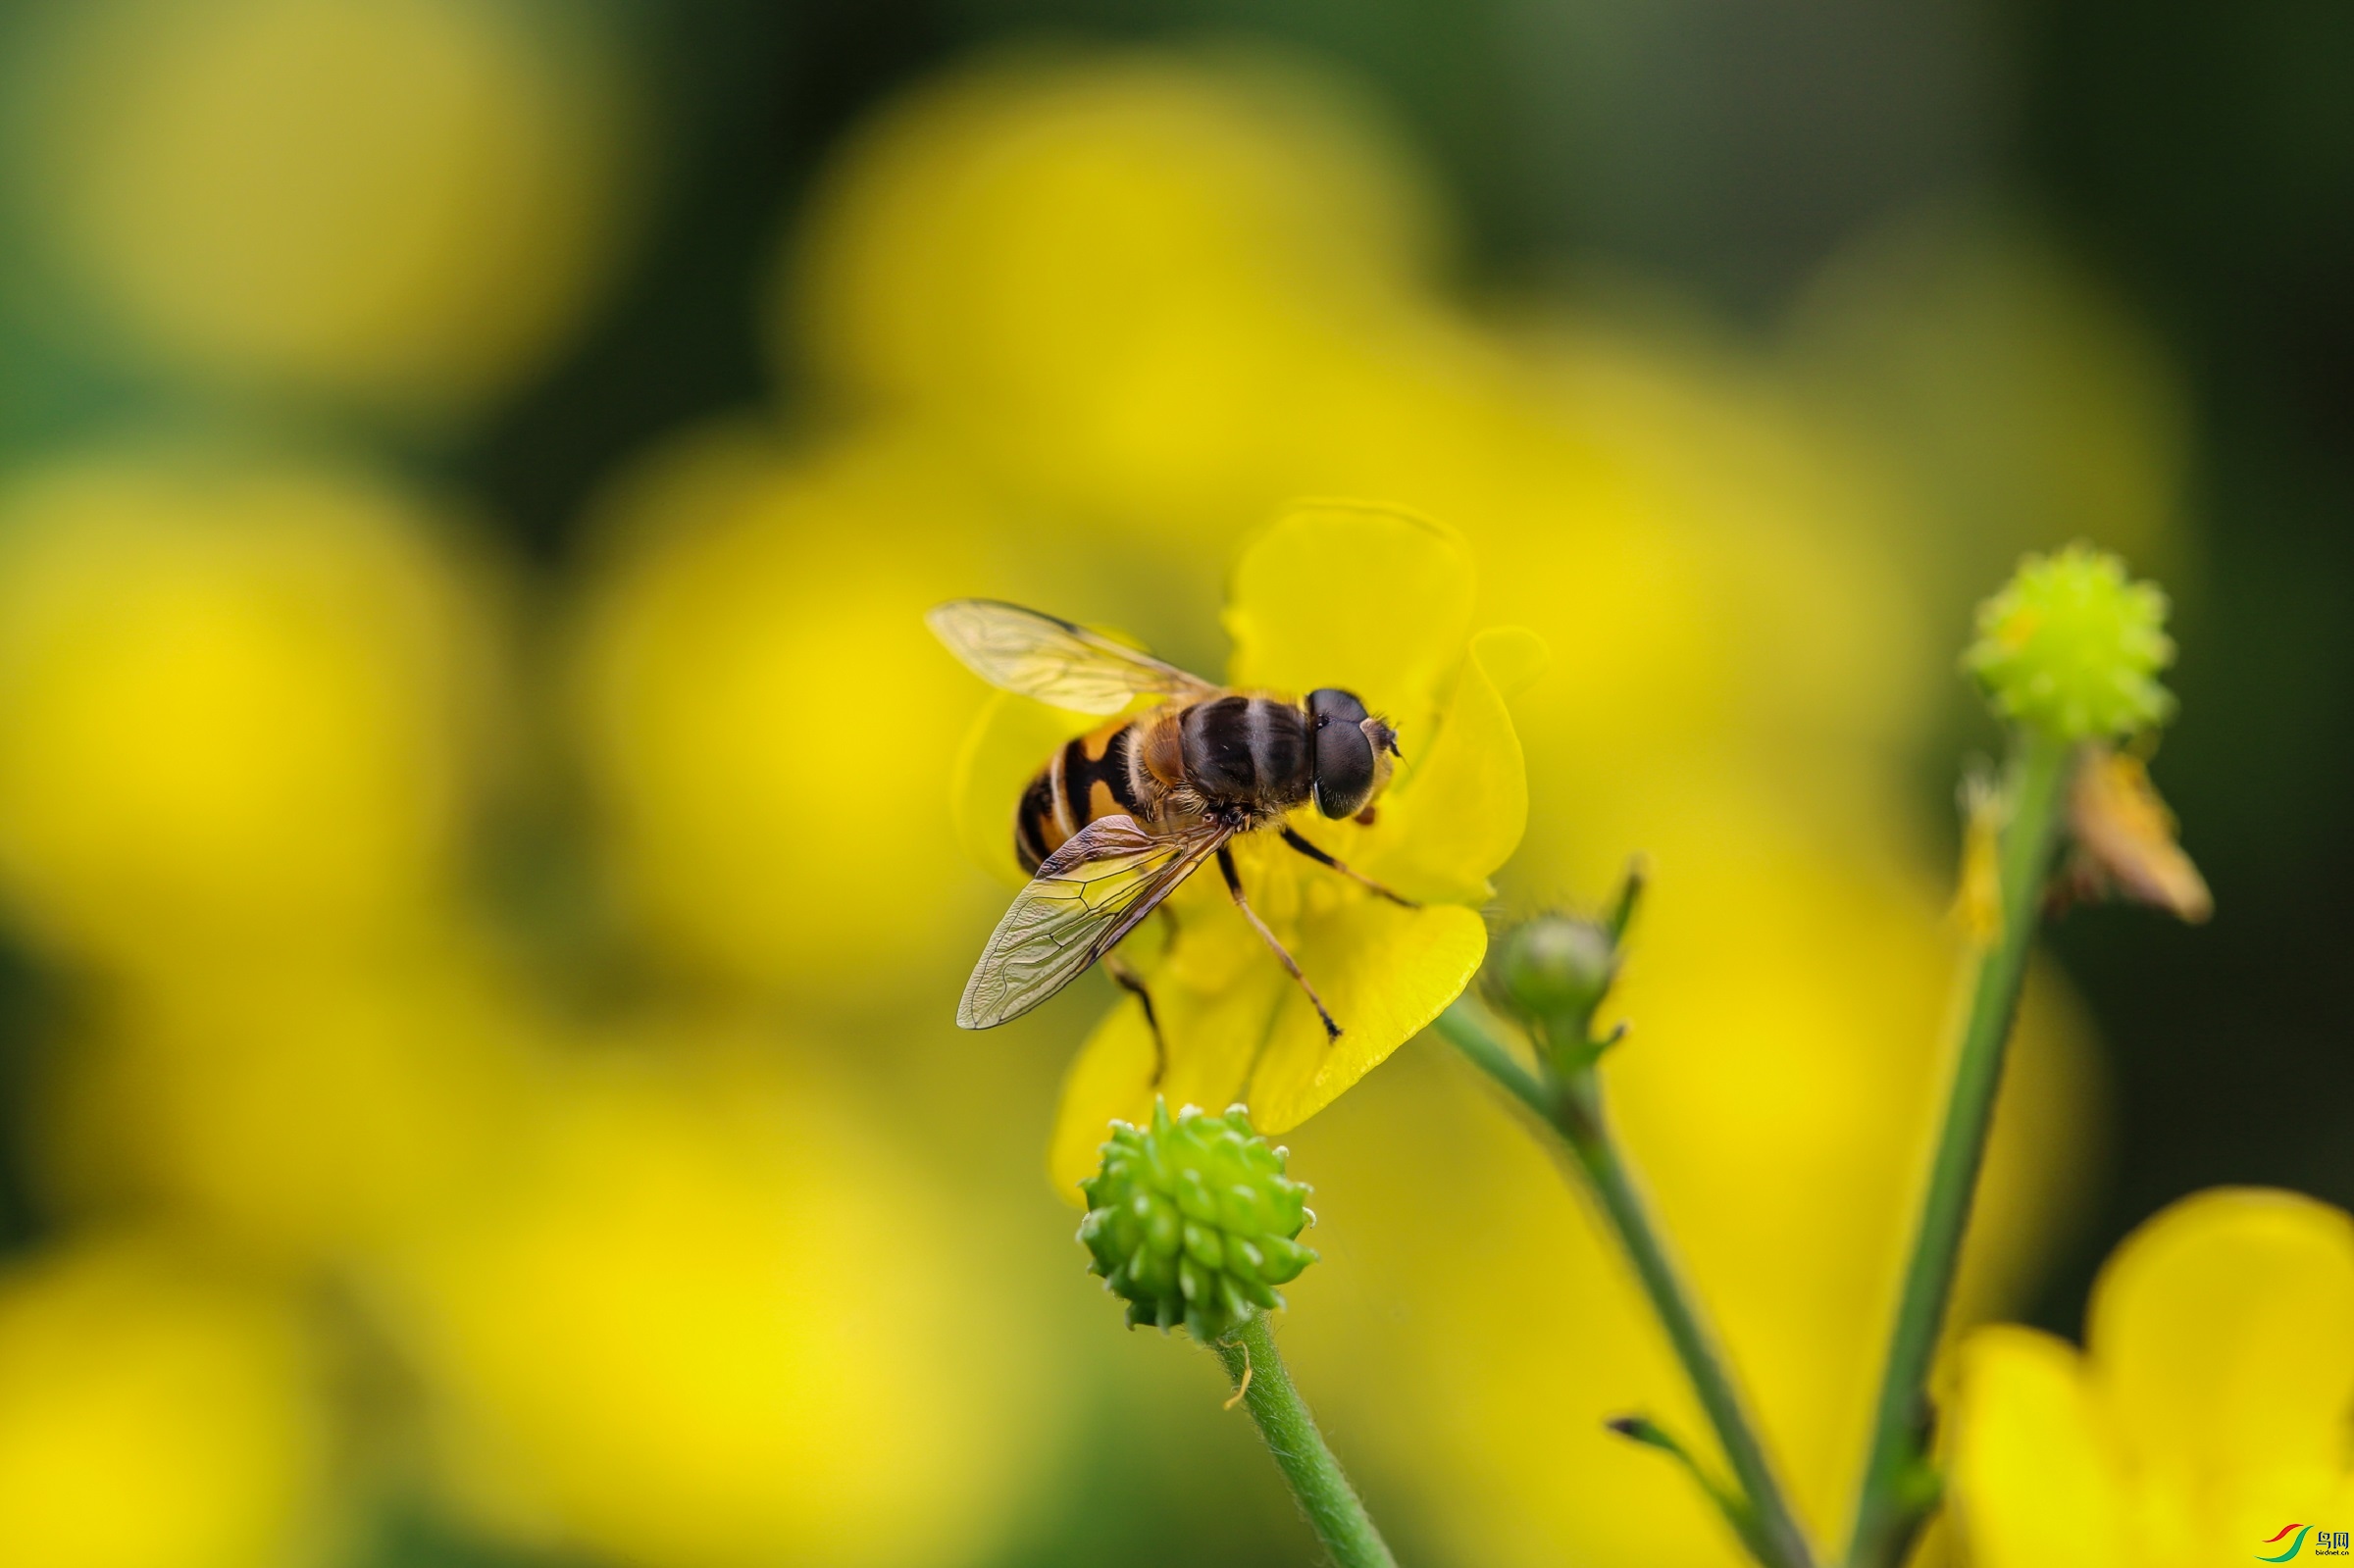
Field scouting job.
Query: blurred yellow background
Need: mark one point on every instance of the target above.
(493, 1096)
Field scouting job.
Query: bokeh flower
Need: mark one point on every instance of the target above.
(301, 1112)
(241, 701)
(404, 204)
(154, 1414)
(1377, 602)
(1124, 280)
(2206, 1411)
(714, 1316)
(765, 722)
(2012, 394)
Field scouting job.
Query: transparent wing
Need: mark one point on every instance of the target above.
(1037, 656)
(1086, 896)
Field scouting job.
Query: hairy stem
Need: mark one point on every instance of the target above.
(1581, 1124)
(1326, 1496)
(1572, 1106)
(1898, 1492)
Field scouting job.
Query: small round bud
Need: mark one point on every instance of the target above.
(1553, 967)
(2072, 648)
(1192, 1221)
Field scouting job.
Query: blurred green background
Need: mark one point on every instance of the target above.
(480, 915)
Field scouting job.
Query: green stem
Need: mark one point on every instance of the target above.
(1572, 1106)
(1461, 1029)
(1898, 1492)
(1324, 1494)
(1588, 1136)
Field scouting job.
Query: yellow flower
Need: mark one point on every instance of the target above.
(1776, 1104)
(298, 1111)
(2014, 399)
(154, 1416)
(1378, 602)
(765, 721)
(404, 203)
(1122, 277)
(238, 701)
(712, 1318)
(2206, 1412)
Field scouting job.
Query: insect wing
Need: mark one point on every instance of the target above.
(1039, 656)
(1086, 896)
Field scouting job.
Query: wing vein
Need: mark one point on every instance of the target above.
(1052, 660)
(1087, 895)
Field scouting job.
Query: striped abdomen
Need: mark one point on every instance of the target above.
(1244, 753)
(1089, 778)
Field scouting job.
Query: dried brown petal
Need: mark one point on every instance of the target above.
(2125, 840)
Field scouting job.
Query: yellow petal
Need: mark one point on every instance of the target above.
(2223, 1334)
(407, 203)
(1011, 738)
(742, 583)
(1979, 889)
(1461, 813)
(1341, 594)
(694, 1186)
(239, 704)
(1111, 1081)
(153, 1413)
(2032, 1478)
(1385, 973)
(1214, 1033)
(1239, 1029)
(1516, 656)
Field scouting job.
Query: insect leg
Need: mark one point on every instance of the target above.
(1129, 981)
(1234, 885)
(1322, 859)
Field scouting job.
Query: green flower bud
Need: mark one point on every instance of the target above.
(1192, 1221)
(1550, 969)
(2071, 646)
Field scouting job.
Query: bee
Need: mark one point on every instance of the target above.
(1120, 817)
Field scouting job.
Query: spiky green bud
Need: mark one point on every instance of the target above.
(1192, 1221)
(2072, 648)
(1553, 971)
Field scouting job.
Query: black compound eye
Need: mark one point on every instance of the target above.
(1344, 754)
(1330, 706)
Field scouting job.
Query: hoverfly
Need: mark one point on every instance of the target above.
(1119, 817)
